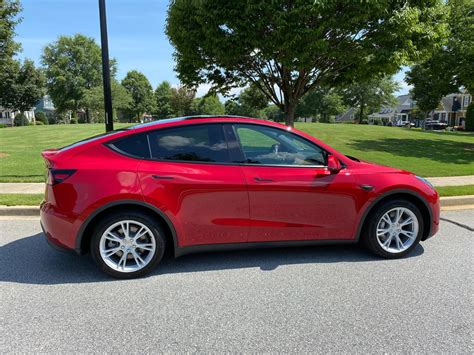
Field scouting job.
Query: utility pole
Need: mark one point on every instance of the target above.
(109, 119)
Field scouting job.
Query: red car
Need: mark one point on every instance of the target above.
(204, 183)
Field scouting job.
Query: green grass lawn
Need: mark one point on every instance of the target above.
(425, 153)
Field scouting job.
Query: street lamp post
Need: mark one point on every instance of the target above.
(109, 119)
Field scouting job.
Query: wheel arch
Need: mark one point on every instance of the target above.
(408, 195)
(84, 235)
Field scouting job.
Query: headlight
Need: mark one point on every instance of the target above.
(425, 181)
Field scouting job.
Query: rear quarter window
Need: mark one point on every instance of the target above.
(135, 146)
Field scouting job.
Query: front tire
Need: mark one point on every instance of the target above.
(127, 244)
(394, 229)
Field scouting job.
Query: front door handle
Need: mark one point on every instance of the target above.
(262, 180)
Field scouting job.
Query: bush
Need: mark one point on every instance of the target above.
(21, 120)
(41, 117)
(39, 123)
(364, 121)
(470, 118)
(3, 125)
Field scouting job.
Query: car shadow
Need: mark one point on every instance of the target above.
(31, 261)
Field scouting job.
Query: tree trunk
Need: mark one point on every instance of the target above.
(290, 114)
(361, 113)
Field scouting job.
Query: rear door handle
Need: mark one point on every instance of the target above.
(161, 177)
(262, 180)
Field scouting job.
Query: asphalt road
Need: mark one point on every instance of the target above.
(321, 299)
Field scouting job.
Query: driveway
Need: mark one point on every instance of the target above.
(324, 299)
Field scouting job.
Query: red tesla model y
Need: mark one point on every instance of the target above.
(206, 183)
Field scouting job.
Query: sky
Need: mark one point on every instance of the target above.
(136, 31)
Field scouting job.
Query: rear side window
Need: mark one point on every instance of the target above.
(135, 145)
(195, 143)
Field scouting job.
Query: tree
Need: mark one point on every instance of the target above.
(371, 94)
(141, 92)
(9, 10)
(321, 101)
(249, 103)
(470, 117)
(450, 67)
(22, 85)
(73, 66)
(210, 105)
(94, 99)
(288, 48)
(40, 116)
(181, 100)
(162, 98)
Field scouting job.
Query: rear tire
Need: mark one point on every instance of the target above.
(394, 229)
(127, 244)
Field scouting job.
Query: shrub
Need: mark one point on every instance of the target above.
(39, 123)
(364, 121)
(21, 120)
(41, 117)
(470, 117)
(3, 125)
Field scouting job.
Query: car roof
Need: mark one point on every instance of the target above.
(158, 123)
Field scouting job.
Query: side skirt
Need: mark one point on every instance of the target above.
(204, 248)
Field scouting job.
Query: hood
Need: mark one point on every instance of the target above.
(377, 168)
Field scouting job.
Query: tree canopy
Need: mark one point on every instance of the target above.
(371, 95)
(288, 48)
(451, 67)
(162, 97)
(141, 92)
(73, 66)
(321, 101)
(181, 101)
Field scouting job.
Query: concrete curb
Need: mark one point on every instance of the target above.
(448, 202)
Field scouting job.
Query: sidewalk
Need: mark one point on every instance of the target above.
(38, 188)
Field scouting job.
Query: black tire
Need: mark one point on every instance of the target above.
(370, 230)
(145, 219)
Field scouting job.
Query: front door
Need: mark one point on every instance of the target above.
(292, 195)
(189, 177)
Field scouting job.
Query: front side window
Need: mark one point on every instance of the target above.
(271, 146)
(194, 143)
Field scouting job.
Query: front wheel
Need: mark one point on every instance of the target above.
(127, 244)
(395, 229)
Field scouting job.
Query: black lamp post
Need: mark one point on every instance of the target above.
(109, 118)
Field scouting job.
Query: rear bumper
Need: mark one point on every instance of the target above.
(58, 228)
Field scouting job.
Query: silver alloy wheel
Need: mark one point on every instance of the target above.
(127, 246)
(397, 230)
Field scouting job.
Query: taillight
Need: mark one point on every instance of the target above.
(56, 176)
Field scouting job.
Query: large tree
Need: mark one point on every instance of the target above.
(140, 89)
(73, 65)
(9, 11)
(162, 97)
(321, 101)
(371, 95)
(288, 48)
(210, 105)
(181, 101)
(450, 67)
(22, 85)
(250, 102)
(94, 100)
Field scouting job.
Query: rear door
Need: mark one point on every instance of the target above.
(191, 178)
(292, 195)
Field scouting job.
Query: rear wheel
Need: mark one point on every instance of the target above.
(394, 229)
(127, 244)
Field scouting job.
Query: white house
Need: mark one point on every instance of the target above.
(7, 116)
(398, 115)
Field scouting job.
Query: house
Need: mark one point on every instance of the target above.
(45, 104)
(349, 116)
(398, 115)
(7, 116)
(452, 109)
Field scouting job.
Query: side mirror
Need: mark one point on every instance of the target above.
(334, 165)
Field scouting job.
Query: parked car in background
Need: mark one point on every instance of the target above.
(211, 183)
